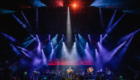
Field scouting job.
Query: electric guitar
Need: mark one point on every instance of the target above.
(35, 73)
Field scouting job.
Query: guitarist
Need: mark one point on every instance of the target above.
(35, 74)
(69, 71)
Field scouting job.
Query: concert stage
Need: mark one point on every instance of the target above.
(69, 39)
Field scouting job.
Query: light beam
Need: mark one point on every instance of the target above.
(68, 29)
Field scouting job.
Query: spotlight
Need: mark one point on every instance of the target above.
(86, 42)
(98, 42)
(101, 35)
(95, 49)
(75, 35)
(42, 49)
(36, 35)
(74, 5)
(39, 43)
(63, 42)
(49, 35)
(51, 43)
(88, 35)
(85, 49)
(64, 49)
(74, 42)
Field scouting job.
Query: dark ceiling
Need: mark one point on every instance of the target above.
(22, 4)
(52, 19)
(112, 4)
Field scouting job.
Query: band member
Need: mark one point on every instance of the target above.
(107, 73)
(35, 74)
(48, 72)
(99, 71)
(90, 70)
(58, 73)
(98, 76)
(69, 71)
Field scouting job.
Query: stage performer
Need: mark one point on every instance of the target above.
(69, 71)
(35, 74)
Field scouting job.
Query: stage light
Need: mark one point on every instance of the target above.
(54, 40)
(113, 25)
(75, 35)
(27, 55)
(6, 11)
(68, 29)
(15, 49)
(39, 43)
(27, 43)
(52, 45)
(23, 49)
(88, 54)
(124, 49)
(116, 50)
(9, 37)
(26, 20)
(32, 36)
(63, 35)
(104, 36)
(111, 20)
(98, 42)
(44, 58)
(128, 36)
(88, 35)
(74, 5)
(59, 43)
(101, 18)
(49, 35)
(20, 22)
(37, 3)
(82, 41)
(87, 46)
(101, 38)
